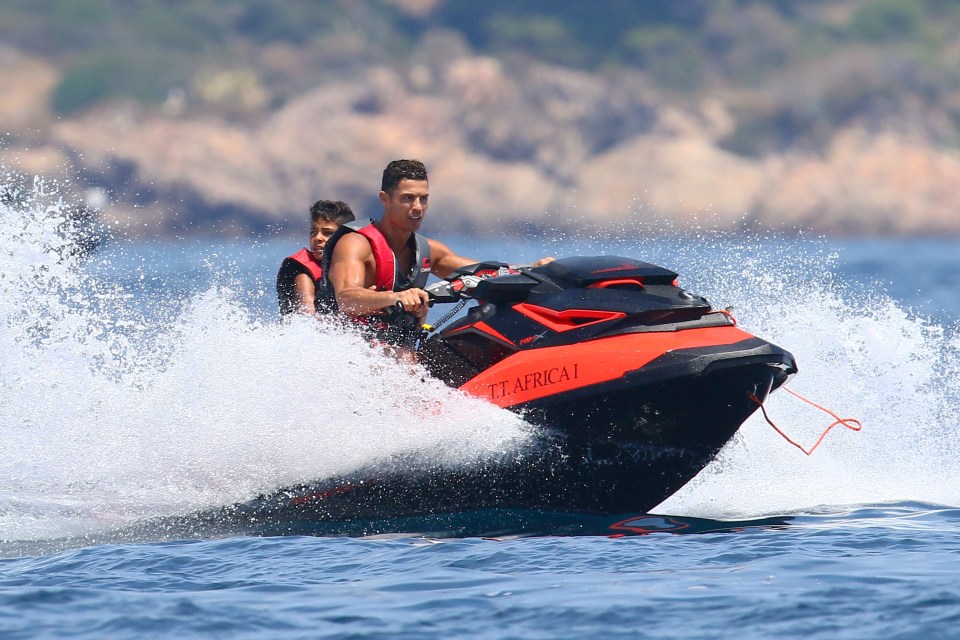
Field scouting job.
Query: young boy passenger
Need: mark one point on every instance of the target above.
(299, 274)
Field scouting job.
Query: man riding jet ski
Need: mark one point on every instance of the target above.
(372, 266)
(633, 383)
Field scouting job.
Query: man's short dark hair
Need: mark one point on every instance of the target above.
(331, 211)
(402, 170)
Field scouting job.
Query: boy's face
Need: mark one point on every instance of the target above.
(320, 232)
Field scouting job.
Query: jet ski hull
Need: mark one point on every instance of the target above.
(603, 451)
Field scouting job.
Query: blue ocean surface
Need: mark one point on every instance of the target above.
(882, 572)
(150, 380)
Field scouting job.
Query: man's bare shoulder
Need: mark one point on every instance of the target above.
(352, 245)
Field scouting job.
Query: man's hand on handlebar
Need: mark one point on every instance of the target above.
(414, 301)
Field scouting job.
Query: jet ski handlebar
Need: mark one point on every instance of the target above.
(459, 287)
(461, 284)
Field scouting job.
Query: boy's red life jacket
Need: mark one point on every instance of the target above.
(292, 266)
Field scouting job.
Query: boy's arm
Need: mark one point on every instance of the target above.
(304, 293)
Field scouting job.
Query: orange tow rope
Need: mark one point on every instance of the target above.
(850, 423)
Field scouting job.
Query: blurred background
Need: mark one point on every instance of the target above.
(227, 118)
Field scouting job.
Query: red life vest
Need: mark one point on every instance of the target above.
(305, 257)
(388, 276)
(300, 262)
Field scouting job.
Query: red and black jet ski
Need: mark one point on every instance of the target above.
(635, 385)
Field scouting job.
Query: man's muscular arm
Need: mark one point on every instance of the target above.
(445, 261)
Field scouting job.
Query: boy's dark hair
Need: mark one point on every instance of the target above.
(402, 170)
(331, 211)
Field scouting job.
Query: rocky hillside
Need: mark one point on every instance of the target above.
(509, 141)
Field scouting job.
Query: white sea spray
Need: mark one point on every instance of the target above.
(861, 355)
(114, 409)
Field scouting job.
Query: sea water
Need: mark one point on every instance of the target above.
(148, 380)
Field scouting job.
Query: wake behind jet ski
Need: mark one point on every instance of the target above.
(633, 383)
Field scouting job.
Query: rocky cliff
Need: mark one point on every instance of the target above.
(507, 145)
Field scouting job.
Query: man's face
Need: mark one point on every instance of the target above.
(320, 232)
(406, 205)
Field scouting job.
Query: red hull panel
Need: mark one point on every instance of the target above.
(536, 373)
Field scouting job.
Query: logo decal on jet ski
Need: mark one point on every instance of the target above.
(534, 380)
(623, 267)
(533, 338)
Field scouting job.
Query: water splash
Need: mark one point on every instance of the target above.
(116, 409)
(114, 412)
(860, 352)
(862, 355)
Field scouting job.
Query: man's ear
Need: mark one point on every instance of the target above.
(384, 197)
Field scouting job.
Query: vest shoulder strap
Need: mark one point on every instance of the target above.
(304, 258)
(386, 278)
(422, 263)
(327, 298)
(345, 228)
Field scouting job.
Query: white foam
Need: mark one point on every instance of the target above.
(861, 355)
(109, 415)
(112, 411)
